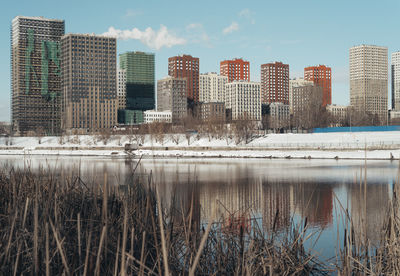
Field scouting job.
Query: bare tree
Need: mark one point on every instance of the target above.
(310, 113)
(243, 130)
(39, 134)
(105, 135)
(175, 137)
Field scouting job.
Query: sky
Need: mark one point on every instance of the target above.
(299, 33)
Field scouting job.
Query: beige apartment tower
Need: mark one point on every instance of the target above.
(89, 82)
(369, 80)
(171, 96)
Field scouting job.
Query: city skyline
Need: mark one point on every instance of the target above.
(242, 31)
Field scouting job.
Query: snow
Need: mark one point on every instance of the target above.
(349, 145)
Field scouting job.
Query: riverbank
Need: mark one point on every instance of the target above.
(361, 145)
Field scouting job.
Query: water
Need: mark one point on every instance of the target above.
(318, 190)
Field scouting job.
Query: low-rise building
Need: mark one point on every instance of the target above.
(211, 111)
(279, 115)
(338, 113)
(151, 116)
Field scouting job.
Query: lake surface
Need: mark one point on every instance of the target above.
(274, 192)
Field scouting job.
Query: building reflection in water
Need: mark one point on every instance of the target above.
(273, 190)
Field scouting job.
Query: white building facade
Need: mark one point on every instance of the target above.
(396, 81)
(121, 88)
(369, 80)
(151, 116)
(338, 113)
(212, 87)
(244, 100)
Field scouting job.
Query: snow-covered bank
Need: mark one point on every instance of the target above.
(373, 145)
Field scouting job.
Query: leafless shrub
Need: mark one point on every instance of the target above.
(39, 134)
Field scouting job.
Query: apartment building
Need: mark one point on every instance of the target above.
(369, 80)
(235, 69)
(275, 83)
(171, 96)
(89, 82)
(243, 98)
(36, 75)
(186, 66)
(322, 76)
(212, 87)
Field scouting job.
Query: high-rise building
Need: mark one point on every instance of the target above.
(36, 75)
(321, 75)
(306, 97)
(235, 69)
(186, 66)
(140, 80)
(212, 87)
(368, 80)
(243, 98)
(89, 84)
(296, 83)
(121, 89)
(275, 83)
(171, 96)
(396, 80)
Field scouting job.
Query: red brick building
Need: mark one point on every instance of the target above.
(235, 69)
(275, 83)
(186, 66)
(322, 76)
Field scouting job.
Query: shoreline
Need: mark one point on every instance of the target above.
(239, 153)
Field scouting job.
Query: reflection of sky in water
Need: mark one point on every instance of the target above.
(274, 191)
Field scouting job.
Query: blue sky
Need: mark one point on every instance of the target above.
(300, 33)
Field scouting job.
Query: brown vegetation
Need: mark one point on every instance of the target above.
(52, 226)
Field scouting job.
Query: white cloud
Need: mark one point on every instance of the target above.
(231, 28)
(149, 37)
(248, 14)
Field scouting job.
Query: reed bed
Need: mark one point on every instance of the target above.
(52, 225)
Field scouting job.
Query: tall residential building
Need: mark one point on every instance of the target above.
(171, 96)
(321, 75)
(212, 87)
(186, 66)
(296, 83)
(275, 83)
(36, 75)
(243, 98)
(368, 80)
(121, 88)
(235, 69)
(89, 82)
(140, 80)
(396, 80)
(306, 98)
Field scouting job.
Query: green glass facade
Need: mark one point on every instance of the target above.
(140, 80)
(130, 117)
